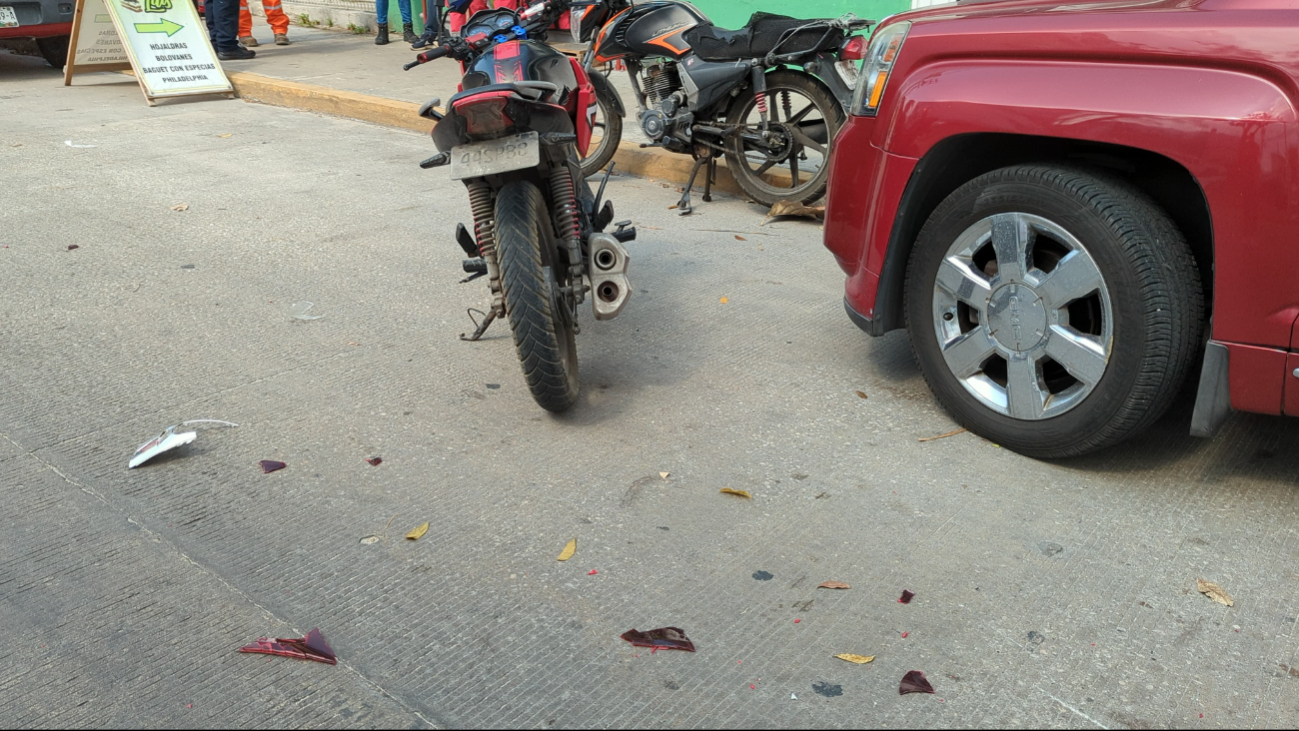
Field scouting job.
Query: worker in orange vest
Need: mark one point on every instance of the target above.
(275, 17)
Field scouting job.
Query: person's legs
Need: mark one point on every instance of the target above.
(225, 24)
(276, 17)
(381, 18)
(246, 26)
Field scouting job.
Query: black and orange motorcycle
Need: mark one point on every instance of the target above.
(769, 97)
(514, 135)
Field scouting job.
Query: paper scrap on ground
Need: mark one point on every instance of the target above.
(665, 475)
(858, 659)
(418, 533)
(739, 493)
(180, 207)
(299, 311)
(1214, 592)
(311, 647)
(568, 551)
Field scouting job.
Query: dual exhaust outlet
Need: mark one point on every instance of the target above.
(608, 273)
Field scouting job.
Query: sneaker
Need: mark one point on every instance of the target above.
(238, 53)
(281, 39)
(248, 42)
(428, 39)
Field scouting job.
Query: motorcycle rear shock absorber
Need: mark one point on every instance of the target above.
(564, 195)
(483, 204)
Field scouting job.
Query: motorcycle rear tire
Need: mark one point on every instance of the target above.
(748, 179)
(530, 277)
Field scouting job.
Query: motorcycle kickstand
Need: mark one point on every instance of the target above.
(683, 206)
(710, 177)
(488, 317)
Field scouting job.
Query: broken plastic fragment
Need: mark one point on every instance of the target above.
(374, 461)
(904, 635)
(906, 597)
(167, 440)
(270, 465)
(664, 638)
(299, 311)
(311, 647)
(592, 572)
(69, 143)
(914, 682)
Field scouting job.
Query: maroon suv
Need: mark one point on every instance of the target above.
(1072, 205)
(48, 21)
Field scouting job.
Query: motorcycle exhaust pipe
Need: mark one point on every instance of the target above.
(608, 273)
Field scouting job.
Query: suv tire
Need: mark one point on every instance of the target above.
(1053, 310)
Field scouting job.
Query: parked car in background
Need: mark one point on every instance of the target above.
(1071, 205)
(47, 21)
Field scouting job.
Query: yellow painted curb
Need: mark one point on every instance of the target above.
(631, 159)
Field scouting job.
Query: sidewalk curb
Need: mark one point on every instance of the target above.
(631, 158)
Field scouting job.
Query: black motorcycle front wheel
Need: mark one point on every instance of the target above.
(790, 160)
(531, 277)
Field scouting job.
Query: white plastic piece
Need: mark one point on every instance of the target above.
(299, 311)
(169, 439)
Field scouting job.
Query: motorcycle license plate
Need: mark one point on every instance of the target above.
(496, 156)
(8, 17)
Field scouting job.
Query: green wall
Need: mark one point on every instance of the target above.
(735, 13)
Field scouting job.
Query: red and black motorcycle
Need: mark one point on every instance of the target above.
(769, 96)
(514, 134)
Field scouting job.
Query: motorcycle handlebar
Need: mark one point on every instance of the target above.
(427, 56)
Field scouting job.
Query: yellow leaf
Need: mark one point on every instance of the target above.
(418, 533)
(859, 659)
(568, 551)
(832, 585)
(740, 493)
(229, 134)
(1214, 592)
(740, 238)
(724, 300)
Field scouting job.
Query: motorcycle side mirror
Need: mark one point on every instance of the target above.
(429, 111)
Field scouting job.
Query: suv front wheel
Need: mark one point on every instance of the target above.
(1053, 310)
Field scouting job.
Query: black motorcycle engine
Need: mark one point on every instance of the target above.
(664, 98)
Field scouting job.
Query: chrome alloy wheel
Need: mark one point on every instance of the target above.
(1023, 316)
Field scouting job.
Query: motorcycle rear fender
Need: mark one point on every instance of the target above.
(528, 116)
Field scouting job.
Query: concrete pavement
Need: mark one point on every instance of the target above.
(1048, 594)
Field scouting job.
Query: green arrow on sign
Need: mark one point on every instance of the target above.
(166, 26)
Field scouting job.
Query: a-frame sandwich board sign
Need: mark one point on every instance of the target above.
(163, 41)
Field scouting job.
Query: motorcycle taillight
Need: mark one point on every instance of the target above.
(485, 115)
(854, 49)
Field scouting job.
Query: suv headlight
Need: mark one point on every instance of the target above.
(883, 51)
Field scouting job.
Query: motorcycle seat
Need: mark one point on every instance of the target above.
(760, 36)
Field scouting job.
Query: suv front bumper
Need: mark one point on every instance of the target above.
(39, 18)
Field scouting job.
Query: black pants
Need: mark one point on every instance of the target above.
(223, 23)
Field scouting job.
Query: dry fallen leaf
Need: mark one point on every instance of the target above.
(793, 208)
(664, 475)
(180, 207)
(724, 300)
(228, 134)
(832, 585)
(859, 659)
(1214, 592)
(862, 394)
(945, 435)
(740, 493)
(568, 551)
(417, 533)
(740, 238)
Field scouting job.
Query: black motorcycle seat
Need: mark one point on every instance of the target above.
(760, 36)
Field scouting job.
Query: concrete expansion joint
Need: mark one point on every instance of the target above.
(159, 538)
